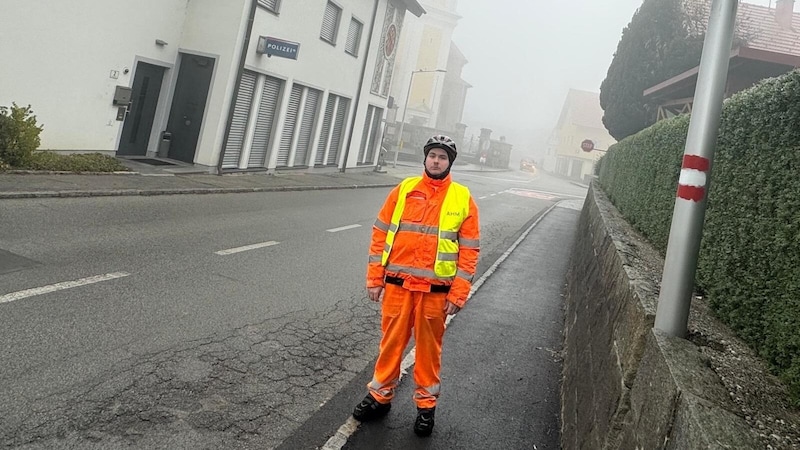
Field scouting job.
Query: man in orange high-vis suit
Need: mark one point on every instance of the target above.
(422, 258)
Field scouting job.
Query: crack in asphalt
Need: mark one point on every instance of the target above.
(250, 387)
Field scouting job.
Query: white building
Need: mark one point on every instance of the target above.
(425, 47)
(236, 85)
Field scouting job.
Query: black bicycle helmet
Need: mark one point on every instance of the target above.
(443, 142)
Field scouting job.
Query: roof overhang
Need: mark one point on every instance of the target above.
(743, 60)
(413, 7)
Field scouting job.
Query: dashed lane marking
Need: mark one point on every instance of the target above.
(245, 248)
(19, 295)
(347, 227)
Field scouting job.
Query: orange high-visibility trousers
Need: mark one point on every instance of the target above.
(403, 310)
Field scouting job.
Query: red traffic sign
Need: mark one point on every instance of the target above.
(587, 145)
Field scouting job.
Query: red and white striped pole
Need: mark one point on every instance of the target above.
(680, 264)
(694, 178)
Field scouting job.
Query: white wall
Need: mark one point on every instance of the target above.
(58, 56)
(319, 64)
(440, 15)
(216, 29)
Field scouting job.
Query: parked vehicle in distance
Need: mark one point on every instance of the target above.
(527, 165)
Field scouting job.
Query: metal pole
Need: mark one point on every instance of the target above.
(403, 121)
(405, 108)
(680, 265)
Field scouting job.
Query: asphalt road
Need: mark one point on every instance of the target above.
(192, 339)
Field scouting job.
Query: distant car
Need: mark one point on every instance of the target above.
(527, 165)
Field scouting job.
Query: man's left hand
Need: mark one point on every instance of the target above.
(450, 308)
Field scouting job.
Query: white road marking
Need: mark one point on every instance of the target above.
(19, 295)
(245, 248)
(347, 227)
(337, 441)
(510, 180)
(557, 194)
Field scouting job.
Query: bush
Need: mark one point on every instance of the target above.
(750, 252)
(19, 134)
(89, 162)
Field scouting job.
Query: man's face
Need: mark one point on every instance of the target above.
(437, 161)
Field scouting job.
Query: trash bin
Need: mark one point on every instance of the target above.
(163, 144)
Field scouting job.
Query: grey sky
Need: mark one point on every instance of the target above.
(525, 55)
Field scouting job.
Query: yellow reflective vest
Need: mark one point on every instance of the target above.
(454, 210)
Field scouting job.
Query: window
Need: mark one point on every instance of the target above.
(330, 23)
(353, 37)
(371, 137)
(330, 138)
(298, 126)
(272, 5)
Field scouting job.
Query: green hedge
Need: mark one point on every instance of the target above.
(77, 162)
(749, 264)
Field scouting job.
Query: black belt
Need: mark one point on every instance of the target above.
(434, 287)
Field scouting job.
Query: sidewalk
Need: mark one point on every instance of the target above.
(501, 362)
(163, 180)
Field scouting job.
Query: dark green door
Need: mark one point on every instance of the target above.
(139, 120)
(188, 105)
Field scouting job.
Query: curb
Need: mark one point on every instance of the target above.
(66, 172)
(180, 191)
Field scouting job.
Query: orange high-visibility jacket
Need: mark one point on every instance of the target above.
(416, 242)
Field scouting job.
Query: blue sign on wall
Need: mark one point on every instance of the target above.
(278, 47)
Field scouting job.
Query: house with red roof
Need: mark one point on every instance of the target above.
(771, 47)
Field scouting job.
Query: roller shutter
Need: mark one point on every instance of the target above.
(264, 122)
(306, 127)
(238, 127)
(288, 126)
(338, 131)
(324, 135)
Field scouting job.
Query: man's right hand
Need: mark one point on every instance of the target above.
(374, 293)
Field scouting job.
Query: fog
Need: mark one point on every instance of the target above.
(525, 55)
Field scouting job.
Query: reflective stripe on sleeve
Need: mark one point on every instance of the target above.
(472, 243)
(461, 274)
(381, 225)
(374, 258)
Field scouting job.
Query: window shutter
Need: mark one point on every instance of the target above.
(288, 126)
(353, 37)
(326, 129)
(264, 122)
(330, 23)
(306, 128)
(374, 135)
(241, 112)
(338, 131)
(365, 134)
(271, 5)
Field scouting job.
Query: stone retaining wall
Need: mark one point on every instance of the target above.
(625, 385)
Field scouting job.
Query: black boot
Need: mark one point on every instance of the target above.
(423, 426)
(369, 409)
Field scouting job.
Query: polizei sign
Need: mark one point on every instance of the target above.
(278, 47)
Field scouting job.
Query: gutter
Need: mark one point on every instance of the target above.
(239, 73)
(360, 87)
(414, 7)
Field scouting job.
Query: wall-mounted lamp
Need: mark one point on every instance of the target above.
(161, 43)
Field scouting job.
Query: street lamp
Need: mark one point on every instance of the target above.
(405, 108)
